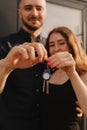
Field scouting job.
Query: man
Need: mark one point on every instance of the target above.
(20, 88)
(21, 70)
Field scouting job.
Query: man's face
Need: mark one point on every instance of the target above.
(32, 13)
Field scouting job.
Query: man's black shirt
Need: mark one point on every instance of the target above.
(20, 100)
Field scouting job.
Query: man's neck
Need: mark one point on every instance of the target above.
(34, 34)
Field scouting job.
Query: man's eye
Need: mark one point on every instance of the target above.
(39, 8)
(28, 8)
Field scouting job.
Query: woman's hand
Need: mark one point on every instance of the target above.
(63, 60)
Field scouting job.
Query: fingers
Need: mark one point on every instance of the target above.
(60, 60)
(19, 51)
(23, 56)
(79, 110)
(28, 50)
(16, 54)
(40, 50)
(80, 115)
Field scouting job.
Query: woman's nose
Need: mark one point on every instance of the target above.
(56, 47)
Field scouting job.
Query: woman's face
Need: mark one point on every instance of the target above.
(57, 43)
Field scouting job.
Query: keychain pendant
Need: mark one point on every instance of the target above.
(46, 74)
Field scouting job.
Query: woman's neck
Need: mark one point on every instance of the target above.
(58, 77)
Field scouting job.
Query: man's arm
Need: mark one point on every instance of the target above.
(4, 72)
(22, 56)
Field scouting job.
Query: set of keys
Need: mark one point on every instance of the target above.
(47, 73)
(46, 76)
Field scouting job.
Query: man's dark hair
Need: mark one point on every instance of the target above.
(19, 1)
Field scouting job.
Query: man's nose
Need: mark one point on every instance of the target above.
(35, 12)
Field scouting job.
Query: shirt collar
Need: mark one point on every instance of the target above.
(24, 33)
(27, 35)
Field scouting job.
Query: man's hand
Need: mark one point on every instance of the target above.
(79, 110)
(23, 56)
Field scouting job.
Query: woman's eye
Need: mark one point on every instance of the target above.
(62, 43)
(51, 45)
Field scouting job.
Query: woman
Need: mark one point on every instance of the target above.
(67, 83)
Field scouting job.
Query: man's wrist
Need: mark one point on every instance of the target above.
(5, 67)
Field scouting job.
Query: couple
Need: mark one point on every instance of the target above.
(23, 103)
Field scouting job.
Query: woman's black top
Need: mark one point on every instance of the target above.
(58, 108)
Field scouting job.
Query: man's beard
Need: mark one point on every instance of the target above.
(30, 27)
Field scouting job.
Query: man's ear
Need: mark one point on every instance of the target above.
(19, 13)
